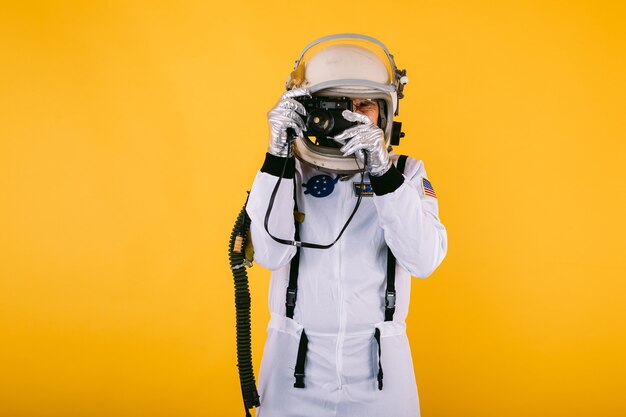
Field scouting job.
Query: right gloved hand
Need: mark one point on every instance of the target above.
(284, 116)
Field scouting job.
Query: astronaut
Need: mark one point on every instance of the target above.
(336, 342)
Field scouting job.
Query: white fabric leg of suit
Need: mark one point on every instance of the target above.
(340, 299)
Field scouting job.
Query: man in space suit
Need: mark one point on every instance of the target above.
(338, 314)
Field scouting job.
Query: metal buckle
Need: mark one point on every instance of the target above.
(291, 297)
(390, 299)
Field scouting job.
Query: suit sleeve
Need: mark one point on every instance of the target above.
(267, 252)
(408, 212)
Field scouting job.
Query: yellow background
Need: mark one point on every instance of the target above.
(130, 131)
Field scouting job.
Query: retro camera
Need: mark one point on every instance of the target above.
(324, 117)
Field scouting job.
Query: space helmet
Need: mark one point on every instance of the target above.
(351, 66)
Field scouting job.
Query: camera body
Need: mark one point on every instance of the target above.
(324, 118)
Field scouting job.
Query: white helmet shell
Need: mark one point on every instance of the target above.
(342, 62)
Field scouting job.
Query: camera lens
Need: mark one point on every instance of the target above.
(320, 121)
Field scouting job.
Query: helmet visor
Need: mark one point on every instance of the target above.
(344, 61)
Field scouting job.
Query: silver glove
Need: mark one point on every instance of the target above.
(284, 116)
(366, 137)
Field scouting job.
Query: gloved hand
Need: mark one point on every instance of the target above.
(284, 116)
(365, 137)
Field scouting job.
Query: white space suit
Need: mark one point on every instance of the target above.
(341, 290)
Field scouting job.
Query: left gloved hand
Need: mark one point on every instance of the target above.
(365, 137)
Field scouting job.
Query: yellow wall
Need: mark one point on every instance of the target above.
(130, 131)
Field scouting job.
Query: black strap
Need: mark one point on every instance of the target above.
(299, 372)
(290, 304)
(292, 288)
(380, 366)
(298, 243)
(390, 292)
(401, 163)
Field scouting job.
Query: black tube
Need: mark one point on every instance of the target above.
(238, 265)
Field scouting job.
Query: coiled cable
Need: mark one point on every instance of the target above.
(238, 265)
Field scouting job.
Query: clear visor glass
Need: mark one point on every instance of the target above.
(364, 52)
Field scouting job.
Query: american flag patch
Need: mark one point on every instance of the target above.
(428, 188)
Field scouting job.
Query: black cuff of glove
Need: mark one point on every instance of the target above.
(388, 182)
(273, 165)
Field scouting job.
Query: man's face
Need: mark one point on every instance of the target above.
(367, 107)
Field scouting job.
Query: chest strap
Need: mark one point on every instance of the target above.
(292, 295)
(292, 287)
(390, 292)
